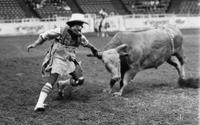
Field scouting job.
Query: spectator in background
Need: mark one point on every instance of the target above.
(133, 6)
(43, 3)
(112, 13)
(103, 13)
(38, 5)
(65, 6)
(156, 3)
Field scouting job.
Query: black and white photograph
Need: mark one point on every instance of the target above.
(99, 62)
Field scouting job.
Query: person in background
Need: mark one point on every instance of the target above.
(60, 60)
(103, 15)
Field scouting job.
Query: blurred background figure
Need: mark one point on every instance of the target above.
(102, 24)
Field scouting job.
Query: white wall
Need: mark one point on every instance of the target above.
(117, 23)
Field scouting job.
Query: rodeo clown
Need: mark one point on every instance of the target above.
(60, 59)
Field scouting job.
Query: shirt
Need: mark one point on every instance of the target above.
(62, 50)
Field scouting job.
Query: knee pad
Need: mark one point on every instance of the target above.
(80, 81)
(77, 82)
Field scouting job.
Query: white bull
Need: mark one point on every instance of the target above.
(127, 53)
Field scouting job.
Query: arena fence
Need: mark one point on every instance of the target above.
(31, 26)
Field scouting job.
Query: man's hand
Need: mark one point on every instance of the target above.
(94, 51)
(95, 54)
(39, 41)
(30, 46)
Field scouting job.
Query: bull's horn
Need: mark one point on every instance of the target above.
(100, 55)
(121, 47)
(122, 50)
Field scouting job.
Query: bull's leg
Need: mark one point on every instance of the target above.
(180, 57)
(128, 76)
(112, 83)
(178, 65)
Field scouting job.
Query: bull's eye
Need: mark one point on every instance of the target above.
(107, 67)
(103, 61)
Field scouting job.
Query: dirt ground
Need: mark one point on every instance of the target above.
(152, 98)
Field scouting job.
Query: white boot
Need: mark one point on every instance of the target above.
(40, 106)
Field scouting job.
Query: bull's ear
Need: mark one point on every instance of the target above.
(122, 47)
(122, 50)
(123, 54)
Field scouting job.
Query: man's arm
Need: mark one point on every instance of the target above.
(87, 44)
(48, 35)
(39, 41)
(93, 49)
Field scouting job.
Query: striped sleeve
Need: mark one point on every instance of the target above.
(51, 34)
(84, 40)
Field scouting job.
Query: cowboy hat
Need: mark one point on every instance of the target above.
(77, 17)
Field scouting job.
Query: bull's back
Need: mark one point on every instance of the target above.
(146, 38)
(153, 46)
(135, 39)
(114, 42)
(125, 37)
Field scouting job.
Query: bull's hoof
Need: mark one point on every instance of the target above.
(117, 94)
(107, 90)
(190, 82)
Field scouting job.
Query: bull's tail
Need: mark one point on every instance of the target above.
(183, 81)
(179, 63)
(189, 82)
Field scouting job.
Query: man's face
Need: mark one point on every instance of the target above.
(77, 26)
